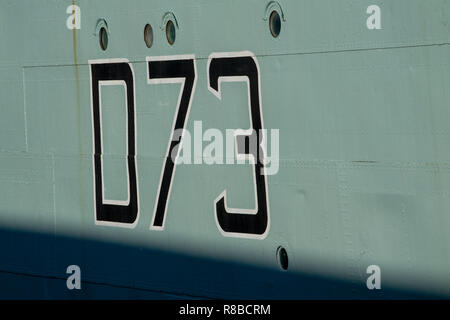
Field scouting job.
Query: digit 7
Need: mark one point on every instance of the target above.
(172, 69)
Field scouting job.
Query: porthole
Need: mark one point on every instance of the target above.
(282, 258)
(170, 32)
(148, 35)
(103, 38)
(275, 24)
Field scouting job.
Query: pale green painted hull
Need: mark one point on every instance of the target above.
(364, 179)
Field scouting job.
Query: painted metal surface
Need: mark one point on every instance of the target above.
(364, 172)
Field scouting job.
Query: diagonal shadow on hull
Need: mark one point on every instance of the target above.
(33, 266)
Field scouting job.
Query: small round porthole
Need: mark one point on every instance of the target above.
(275, 24)
(103, 38)
(148, 35)
(170, 32)
(282, 258)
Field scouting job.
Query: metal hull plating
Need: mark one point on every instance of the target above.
(364, 151)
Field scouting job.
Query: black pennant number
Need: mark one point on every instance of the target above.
(172, 69)
(111, 212)
(243, 222)
(252, 223)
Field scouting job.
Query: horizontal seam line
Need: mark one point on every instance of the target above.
(106, 284)
(268, 55)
